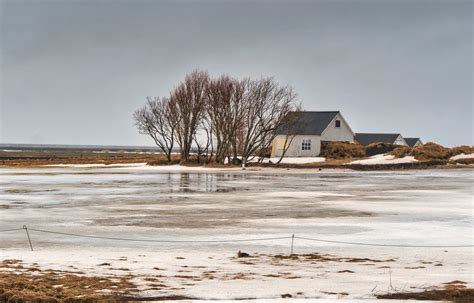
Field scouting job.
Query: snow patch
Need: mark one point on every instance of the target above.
(462, 156)
(298, 160)
(385, 159)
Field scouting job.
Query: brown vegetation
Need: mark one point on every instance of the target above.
(337, 164)
(401, 151)
(463, 149)
(49, 157)
(342, 150)
(432, 151)
(59, 286)
(456, 293)
(20, 284)
(467, 161)
(337, 153)
(327, 258)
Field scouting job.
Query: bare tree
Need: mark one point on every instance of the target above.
(237, 117)
(203, 141)
(156, 120)
(224, 109)
(266, 105)
(188, 103)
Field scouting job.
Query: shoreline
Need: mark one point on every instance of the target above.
(422, 165)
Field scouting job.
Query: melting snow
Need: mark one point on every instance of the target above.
(385, 159)
(462, 156)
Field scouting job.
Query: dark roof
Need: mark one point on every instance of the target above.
(366, 139)
(412, 141)
(306, 123)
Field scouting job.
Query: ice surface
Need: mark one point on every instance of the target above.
(428, 207)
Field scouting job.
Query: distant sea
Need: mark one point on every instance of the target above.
(16, 147)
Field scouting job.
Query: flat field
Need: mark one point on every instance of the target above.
(217, 208)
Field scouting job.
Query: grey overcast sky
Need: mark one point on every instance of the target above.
(72, 72)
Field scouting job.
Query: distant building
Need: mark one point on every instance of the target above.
(305, 130)
(369, 138)
(413, 142)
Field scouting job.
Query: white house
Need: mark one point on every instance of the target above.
(302, 133)
(369, 138)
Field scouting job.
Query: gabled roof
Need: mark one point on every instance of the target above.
(412, 141)
(369, 138)
(306, 123)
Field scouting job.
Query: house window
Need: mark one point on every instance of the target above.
(306, 145)
(338, 123)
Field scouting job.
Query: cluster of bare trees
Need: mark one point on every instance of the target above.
(220, 118)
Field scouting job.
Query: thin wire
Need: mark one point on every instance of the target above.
(157, 241)
(382, 245)
(7, 230)
(239, 240)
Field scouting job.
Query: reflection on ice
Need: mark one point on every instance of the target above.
(432, 207)
(373, 204)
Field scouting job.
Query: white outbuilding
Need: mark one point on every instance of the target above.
(303, 131)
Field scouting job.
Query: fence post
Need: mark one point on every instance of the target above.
(292, 240)
(28, 235)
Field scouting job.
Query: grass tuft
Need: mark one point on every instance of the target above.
(341, 150)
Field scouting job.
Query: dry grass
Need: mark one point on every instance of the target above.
(40, 157)
(342, 150)
(463, 149)
(27, 285)
(450, 293)
(20, 283)
(327, 258)
(337, 154)
(164, 161)
(401, 151)
(432, 151)
(467, 161)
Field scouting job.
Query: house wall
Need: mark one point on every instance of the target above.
(400, 141)
(418, 143)
(333, 133)
(295, 148)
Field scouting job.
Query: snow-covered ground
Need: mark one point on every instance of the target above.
(296, 160)
(462, 156)
(385, 159)
(141, 166)
(429, 207)
(288, 160)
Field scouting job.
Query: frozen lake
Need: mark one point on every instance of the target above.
(427, 207)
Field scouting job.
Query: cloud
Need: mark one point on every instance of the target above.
(77, 70)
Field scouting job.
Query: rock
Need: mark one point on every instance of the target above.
(241, 254)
